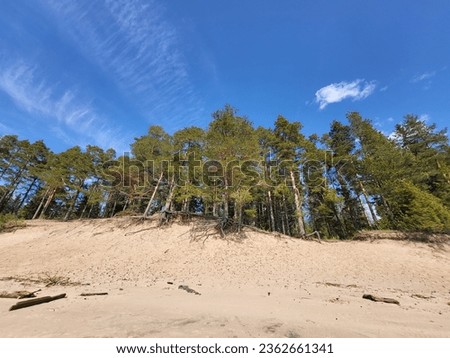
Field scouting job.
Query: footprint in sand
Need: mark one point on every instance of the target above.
(272, 328)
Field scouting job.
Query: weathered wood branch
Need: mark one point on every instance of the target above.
(380, 299)
(94, 294)
(36, 301)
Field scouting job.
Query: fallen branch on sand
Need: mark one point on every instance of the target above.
(94, 294)
(380, 299)
(188, 289)
(416, 295)
(36, 301)
(18, 294)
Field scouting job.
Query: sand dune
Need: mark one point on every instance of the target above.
(264, 286)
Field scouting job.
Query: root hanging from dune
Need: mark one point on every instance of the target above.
(214, 227)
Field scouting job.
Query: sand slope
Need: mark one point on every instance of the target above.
(265, 286)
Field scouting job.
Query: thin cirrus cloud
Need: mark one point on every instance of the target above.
(62, 109)
(336, 92)
(423, 76)
(138, 49)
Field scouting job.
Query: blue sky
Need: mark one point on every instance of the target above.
(101, 72)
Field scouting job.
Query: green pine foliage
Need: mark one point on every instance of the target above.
(417, 210)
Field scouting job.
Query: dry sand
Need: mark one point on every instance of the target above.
(265, 286)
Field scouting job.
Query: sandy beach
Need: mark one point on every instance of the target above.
(263, 286)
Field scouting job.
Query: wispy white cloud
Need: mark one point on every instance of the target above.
(423, 76)
(60, 109)
(337, 92)
(138, 49)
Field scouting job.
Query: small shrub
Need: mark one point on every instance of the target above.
(10, 222)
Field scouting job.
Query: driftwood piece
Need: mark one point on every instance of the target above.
(18, 294)
(94, 294)
(36, 301)
(188, 289)
(380, 299)
(416, 295)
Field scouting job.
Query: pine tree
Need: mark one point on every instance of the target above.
(431, 168)
(230, 142)
(287, 142)
(156, 151)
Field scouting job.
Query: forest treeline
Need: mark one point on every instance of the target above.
(352, 178)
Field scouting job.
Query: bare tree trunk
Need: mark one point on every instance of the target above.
(84, 209)
(47, 203)
(225, 198)
(272, 217)
(9, 193)
(371, 220)
(90, 211)
(239, 217)
(72, 205)
(285, 210)
(298, 206)
(40, 205)
(25, 196)
(276, 215)
(185, 205)
(170, 196)
(147, 209)
(126, 204)
(283, 229)
(113, 208)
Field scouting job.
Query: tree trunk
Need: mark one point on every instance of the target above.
(185, 205)
(72, 205)
(84, 208)
(170, 196)
(298, 206)
(90, 211)
(239, 217)
(285, 210)
(113, 208)
(40, 205)
(225, 198)
(47, 203)
(272, 217)
(13, 185)
(372, 220)
(147, 209)
(283, 229)
(26, 194)
(126, 203)
(5, 170)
